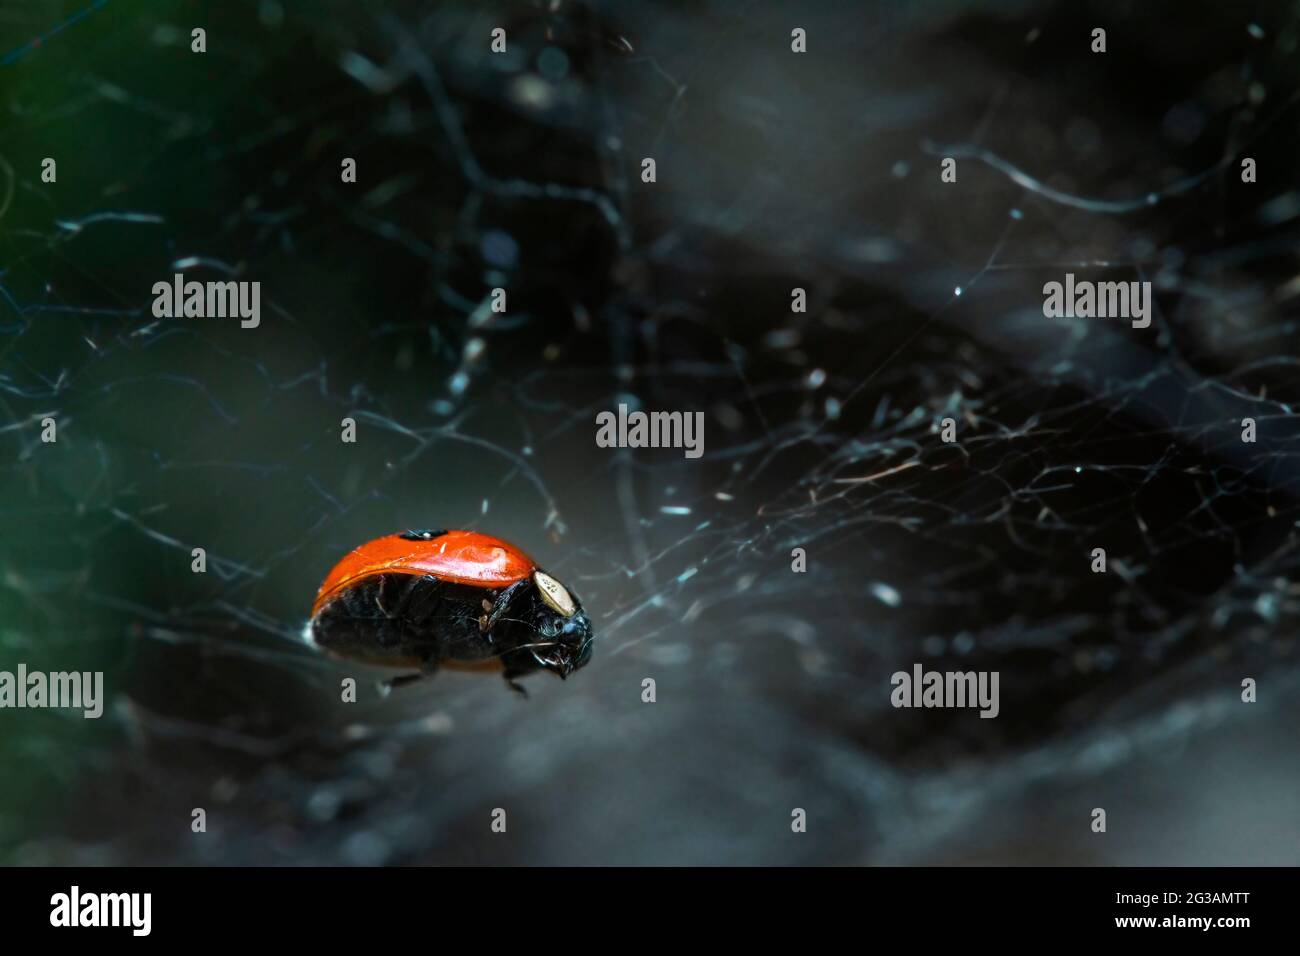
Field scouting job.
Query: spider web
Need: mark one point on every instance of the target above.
(774, 171)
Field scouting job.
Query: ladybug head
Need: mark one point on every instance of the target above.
(558, 634)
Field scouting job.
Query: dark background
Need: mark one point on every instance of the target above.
(775, 170)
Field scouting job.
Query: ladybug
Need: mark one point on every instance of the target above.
(449, 599)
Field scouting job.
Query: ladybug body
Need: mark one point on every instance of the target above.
(454, 599)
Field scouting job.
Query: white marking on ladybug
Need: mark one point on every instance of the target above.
(553, 594)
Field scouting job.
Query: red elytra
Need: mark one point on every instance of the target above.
(465, 557)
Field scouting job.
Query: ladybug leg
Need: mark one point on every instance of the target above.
(423, 603)
(495, 610)
(397, 595)
(428, 668)
(513, 670)
(389, 596)
(400, 680)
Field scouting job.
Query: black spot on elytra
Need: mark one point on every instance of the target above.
(422, 535)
